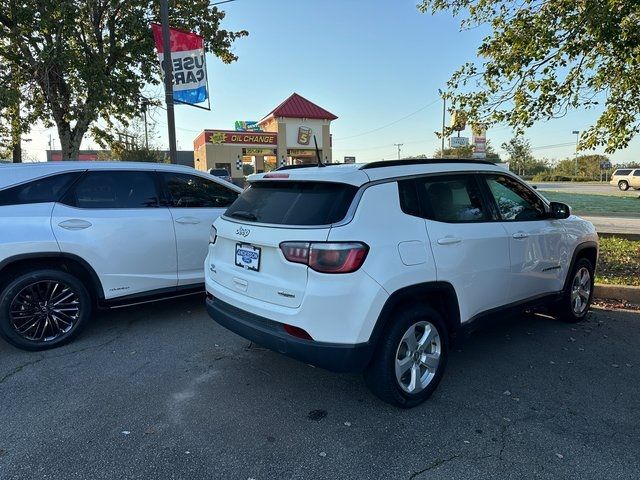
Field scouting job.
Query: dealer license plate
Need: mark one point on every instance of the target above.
(248, 256)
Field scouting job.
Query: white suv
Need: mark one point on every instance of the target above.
(74, 235)
(624, 178)
(376, 267)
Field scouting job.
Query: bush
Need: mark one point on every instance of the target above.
(555, 177)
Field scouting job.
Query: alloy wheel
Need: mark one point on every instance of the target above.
(580, 291)
(44, 311)
(418, 357)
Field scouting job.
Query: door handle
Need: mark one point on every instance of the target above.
(448, 241)
(188, 220)
(520, 235)
(74, 224)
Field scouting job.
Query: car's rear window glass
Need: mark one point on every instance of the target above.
(293, 203)
(42, 190)
(622, 172)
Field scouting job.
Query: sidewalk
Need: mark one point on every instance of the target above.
(621, 225)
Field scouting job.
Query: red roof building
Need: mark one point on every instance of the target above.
(287, 135)
(296, 106)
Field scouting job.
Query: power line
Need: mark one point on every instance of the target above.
(390, 124)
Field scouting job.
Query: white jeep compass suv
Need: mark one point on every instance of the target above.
(376, 267)
(75, 235)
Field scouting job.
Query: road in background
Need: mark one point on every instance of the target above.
(161, 391)
(585, 188)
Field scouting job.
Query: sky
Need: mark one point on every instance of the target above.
(376, 64)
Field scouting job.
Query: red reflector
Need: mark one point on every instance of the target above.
(276, 175)
(297, 332)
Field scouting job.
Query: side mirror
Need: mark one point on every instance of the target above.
(559, 210)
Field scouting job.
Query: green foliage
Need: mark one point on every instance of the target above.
(520, 158)
(81, 61)
(460, 152)
(618, 261)
(543, 58)
(247, 169)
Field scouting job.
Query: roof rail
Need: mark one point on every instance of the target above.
(303, 165)
(421, 161)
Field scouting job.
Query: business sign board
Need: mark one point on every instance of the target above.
(247, 126)
(458, 120)
(187, 62)
(457, 142)
(479, 140)
(304, 135)
(349, 159)
(225, 137)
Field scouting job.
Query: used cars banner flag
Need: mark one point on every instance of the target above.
(188, 62)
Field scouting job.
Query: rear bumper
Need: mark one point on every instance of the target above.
(336, 357)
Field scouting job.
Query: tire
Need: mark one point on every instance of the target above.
(623, 185)
(43, 309)
(392, 348)
(579, 288)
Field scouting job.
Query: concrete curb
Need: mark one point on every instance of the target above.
(617, 292)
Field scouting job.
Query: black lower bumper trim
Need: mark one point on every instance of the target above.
(336, 357)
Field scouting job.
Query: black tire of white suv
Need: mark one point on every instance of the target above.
(410, 358)
(623, 185)
(574, 305)
(43, 309)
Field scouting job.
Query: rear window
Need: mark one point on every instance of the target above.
(293, 203)
(622, 172)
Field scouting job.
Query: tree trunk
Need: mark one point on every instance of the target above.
(17, 152)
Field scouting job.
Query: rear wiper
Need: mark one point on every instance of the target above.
(244, 215)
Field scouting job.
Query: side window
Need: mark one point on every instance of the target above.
(114, 189)
(192, 191)
(515, 201)
(622, 172)
(636, 173)
(42, 190)
(409, 202)
(451, 199)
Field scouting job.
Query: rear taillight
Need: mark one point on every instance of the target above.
(213, 235)
(334, 257)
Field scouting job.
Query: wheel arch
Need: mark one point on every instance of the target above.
(66, 261)
(588, 250)
(440, 296)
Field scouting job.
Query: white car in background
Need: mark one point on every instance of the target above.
(76, 235)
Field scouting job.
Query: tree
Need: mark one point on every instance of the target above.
(545, 57)
(588, 166)
(87, 60)
(521, 160)
(460, 152)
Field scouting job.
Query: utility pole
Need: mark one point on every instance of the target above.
(398, 145)
(168, 79)
(146, 133)
(444, 114)
(577, 134)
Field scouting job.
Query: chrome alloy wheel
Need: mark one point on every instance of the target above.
(45, 310)
(418, 357)
(580, 291)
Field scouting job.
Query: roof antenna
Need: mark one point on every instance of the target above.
(320, 164)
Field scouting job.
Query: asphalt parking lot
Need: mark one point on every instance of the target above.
(161, 391)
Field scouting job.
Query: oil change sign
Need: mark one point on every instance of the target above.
(188, 63)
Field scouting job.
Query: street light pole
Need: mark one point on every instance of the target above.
(577, 134)
(398, 145)
(168, 79)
